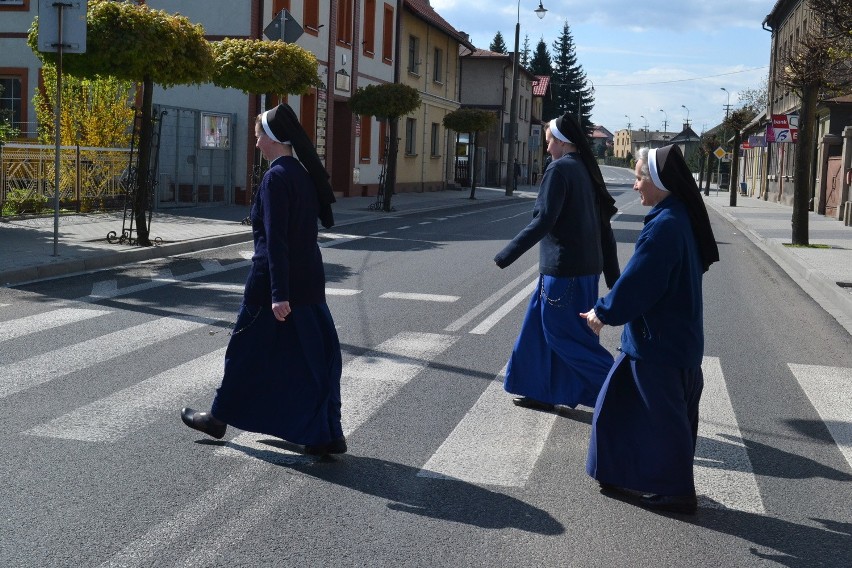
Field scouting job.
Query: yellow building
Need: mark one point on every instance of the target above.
(429, 62)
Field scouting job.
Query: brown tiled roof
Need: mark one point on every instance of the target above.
(423, 10)
(540, 85)
(485, 53)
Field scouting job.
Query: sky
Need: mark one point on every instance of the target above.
(640, 57)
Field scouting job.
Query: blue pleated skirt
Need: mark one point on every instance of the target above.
(645, 427)
(557, 358)
(283, 378)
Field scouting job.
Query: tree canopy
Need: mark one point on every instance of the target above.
(257, 66)
(569, 81)
(469, 120)
(498, 45)
(388, 100)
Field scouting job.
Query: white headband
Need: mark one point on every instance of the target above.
(555, 131)
(652, 168)
(265, 123)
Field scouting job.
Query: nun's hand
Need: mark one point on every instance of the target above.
(281, 310)
(592, 319)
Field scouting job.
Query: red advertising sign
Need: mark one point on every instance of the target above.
(784, 128)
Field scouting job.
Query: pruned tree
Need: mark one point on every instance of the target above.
(137, 43)
(387, 101)
(736, 121)
(818, 66)
(255, 66)
(525, 53)
(473, 121)
(498, 45)
(709, 142)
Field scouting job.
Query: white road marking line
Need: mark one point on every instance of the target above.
(338, 239)
(47, 320)
(247, 254)
(28, 373)
(211, 265)
(481, 307)
(403, 227)
(723, 470)
(378, 233)
(112, 418)
(495, 443)
(215, 286)
(157, 281)
(830, 391)
(104, 288)
(501, 312)
(419, 297)
(341, 292)
(367, 383)
(425, 223)
(370, 380)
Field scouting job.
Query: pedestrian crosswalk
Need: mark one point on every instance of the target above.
(493, 444)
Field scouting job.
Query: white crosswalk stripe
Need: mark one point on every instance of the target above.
(367, 383)
(724, 477)
(830, 391)
(112, 418)
(28, 373)
(47, 320)
(496, 443)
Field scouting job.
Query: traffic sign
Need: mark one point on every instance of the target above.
(284, 27)
(719, 152)
(73, 32)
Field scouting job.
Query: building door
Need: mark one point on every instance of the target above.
(342, 139)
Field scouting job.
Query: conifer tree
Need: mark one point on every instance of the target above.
(541, 64)
(525, 53)
(498, 45)
(569, 83)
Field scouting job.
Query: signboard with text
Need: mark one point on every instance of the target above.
(784, 128)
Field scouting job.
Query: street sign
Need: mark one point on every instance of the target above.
(783, 128)
(73, 25)
(719, 152)
(284, 27)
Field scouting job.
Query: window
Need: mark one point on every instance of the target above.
(387, 34)
(277, 6)
(12, 98)
(308, 115)
(438, 66)
(344, 22)
(410, 134)
(366, 137)
(436, 139)
(310, 15)
(369, 28)
(15, 5)
(414, 55)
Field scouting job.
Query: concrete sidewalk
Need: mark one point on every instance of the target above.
(26, 245)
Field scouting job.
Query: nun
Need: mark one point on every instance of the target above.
(556, 358)
(645, 422)
(283, 361)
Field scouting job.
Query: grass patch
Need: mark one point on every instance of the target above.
(811, 246)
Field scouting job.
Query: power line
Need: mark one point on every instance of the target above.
(684, 80)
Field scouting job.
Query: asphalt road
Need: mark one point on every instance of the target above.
(442, 470)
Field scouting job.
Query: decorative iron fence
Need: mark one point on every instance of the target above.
(91, 179)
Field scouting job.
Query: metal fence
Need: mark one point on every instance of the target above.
(90, 178)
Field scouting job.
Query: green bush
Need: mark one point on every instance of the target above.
(20, 201)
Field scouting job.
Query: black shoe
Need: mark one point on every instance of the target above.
(609, 488)
(203, 422)
(527, 402)
(684, 504)
(337, 446)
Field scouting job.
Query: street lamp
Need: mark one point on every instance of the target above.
(687, 115)
(665, 121)
(642, 116)
(513, 107)
(628, 121)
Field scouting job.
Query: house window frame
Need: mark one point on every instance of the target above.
(369, 43)
(24, 6)
(410, 136)
(436, 140)
(438, 66)
(22, 75)
(387, 34)
(414, 55)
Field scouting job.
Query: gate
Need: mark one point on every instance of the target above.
(196, 157)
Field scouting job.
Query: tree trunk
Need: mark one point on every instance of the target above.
(473, 168)
(733, 185)
(709, 174)
(143, 165)
(702, 163)
(802, 171)
(393, 149)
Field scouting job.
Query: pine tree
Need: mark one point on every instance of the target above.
(525, 53)
(569, 84)
(541, 64)
(498, 45)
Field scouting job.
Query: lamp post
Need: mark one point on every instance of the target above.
(513, 107)
(642, 116)
(687, 115)
(665, 121)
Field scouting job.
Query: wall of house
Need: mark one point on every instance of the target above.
(17, 59)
